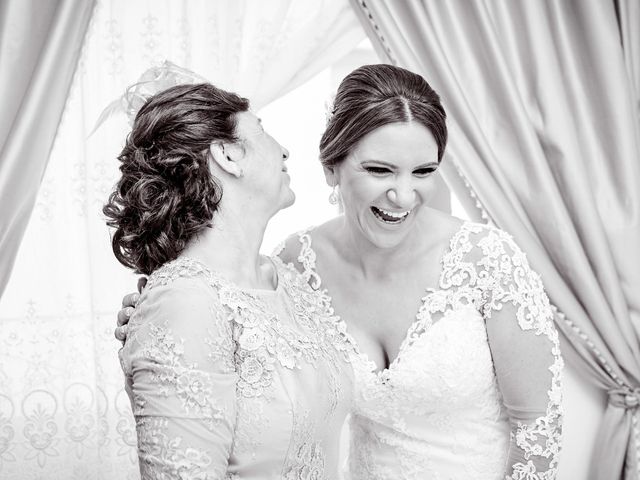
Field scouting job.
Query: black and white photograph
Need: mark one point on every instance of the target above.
(320, 240)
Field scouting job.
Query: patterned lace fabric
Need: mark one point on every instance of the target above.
(476, 384)
(227, 382)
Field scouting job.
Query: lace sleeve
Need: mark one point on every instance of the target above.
(178, 362)
(526, 355)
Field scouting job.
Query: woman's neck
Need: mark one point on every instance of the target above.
(232, 248)
(376, 262)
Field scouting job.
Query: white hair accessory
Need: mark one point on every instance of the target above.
(329, 108)
(152, 81)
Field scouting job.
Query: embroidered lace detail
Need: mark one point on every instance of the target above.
(505, 273)
(440, 398)
(191, 385)
(307, 458)
(217, 387)
(250, 426)
(261, 339)
(165, 458)
(307, 258)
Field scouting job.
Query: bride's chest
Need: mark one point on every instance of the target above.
(378, 318)
(441, 366)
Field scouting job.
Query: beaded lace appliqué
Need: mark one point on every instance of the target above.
(478, 287)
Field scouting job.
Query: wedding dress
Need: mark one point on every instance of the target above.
(234, 383)
(458, 403)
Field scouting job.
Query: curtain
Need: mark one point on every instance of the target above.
(628, 13)
(544, 129)
(63, 412)
(40, 45)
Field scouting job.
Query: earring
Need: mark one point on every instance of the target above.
(333, 196)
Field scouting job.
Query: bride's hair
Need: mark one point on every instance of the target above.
(373, 96)
(166, 193)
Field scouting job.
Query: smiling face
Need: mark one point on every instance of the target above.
(385, 181)
(264, 163)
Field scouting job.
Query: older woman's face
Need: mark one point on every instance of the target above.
(265, 165)
(386, 179)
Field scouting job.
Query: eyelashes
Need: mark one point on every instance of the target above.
(377, 170)
(421, 172)
(425, 171)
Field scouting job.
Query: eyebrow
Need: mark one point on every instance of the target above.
(390, 165)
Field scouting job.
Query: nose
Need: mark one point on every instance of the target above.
(402, 194)
(285, 153)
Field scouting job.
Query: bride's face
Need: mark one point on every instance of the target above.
(386, 180)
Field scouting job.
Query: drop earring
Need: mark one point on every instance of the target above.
(333, 196)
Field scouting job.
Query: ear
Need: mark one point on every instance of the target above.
(227, 157)
(330, 176)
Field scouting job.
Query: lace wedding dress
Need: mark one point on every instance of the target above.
(474, 392)
(234, 383)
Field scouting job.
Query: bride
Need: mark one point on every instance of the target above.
(456, 358)
(457, 363)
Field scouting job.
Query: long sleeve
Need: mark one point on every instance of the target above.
(525, 350)
(178, 362)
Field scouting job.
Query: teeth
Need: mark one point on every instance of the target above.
(390, 217)
(395, 214)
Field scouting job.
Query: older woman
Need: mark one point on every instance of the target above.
(456, 357)
(232, 369)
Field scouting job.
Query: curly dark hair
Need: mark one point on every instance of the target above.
(376, 95)
(166, 193)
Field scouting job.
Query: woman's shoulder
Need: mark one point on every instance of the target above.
(181, 288)
(290, 248)
(183, 271)
(303, 243)
(177, 311)
(490, 251)
(488, 239)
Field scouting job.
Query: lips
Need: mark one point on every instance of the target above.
(390, 217)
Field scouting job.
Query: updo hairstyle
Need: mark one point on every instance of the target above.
(166, 193)
(376, 95)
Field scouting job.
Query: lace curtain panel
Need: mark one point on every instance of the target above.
(545, 130)
(63, 412)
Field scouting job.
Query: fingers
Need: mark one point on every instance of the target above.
(121, 332)
(142, 282)
(128, 304)
(124, 315)
(130, 300)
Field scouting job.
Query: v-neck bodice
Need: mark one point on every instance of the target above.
(422, 319)
(438, 411)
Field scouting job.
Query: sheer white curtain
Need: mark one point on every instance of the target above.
(63, 413)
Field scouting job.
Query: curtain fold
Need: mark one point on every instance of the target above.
(40, 43)
(628, 14)
(545, 130)
(63, 412)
